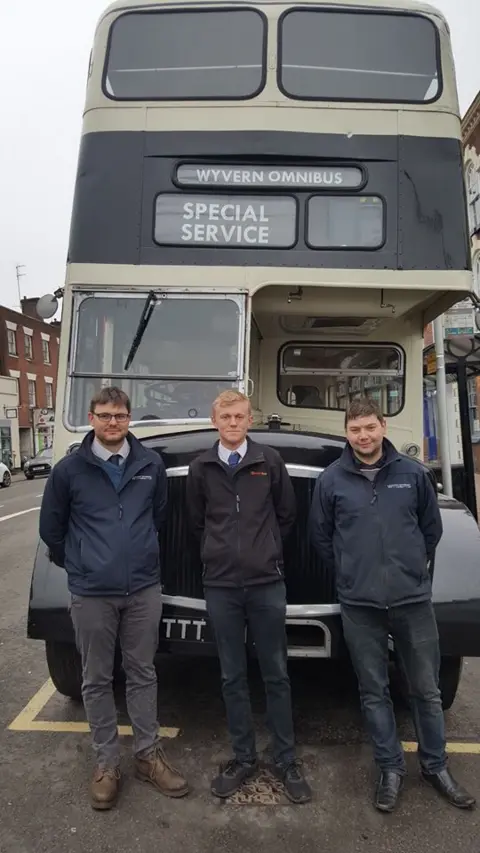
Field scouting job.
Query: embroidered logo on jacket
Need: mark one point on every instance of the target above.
(258, 474)
(142, 477)
(399, 485)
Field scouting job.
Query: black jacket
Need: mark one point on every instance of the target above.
(378, 536)
(240, 516)
(106, 540)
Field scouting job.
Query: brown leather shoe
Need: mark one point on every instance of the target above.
(105, 787)
(157, 770)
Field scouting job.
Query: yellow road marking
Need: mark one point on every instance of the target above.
(26, 720)
(459, 747)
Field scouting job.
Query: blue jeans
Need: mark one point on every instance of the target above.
(263, 609)
(415, 635)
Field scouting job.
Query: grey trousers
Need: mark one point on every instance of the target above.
(134, 620)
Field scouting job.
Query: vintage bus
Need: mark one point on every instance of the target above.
(270, 197)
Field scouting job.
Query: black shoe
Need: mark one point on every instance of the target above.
(232, 776)
(296, 786)
(449, 788)
(388, 788)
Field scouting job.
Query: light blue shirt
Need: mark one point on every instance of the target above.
(224, 452)
(104, 454)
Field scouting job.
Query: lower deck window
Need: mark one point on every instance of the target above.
(330, 376)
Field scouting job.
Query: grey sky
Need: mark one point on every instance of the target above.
(43, 68)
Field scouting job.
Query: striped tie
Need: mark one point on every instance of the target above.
(234, 459)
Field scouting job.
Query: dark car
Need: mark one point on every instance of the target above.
(39, 465)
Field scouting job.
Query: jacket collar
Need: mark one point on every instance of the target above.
(254, 454)
(347, 458)
(138, 453)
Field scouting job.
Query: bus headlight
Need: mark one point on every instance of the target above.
(411, 449)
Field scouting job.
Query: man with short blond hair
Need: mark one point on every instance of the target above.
(242, 507)
(102, 510)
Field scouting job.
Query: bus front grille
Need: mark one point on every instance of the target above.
(307, 581)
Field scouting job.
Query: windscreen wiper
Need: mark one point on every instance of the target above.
(147, 312)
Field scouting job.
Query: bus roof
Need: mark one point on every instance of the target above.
(385, 5)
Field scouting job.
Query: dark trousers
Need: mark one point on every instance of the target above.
(415, 635)
(263, 609)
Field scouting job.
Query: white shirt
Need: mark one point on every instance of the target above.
(225, 452)
(104, 454)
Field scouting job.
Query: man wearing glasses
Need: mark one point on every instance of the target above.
(102, 510)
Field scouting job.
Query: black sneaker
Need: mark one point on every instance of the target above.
(232, 776)
(296, 786)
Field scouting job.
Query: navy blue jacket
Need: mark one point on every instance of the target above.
(106, 540)
(377, 536)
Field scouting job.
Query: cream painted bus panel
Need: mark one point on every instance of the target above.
(253, 114)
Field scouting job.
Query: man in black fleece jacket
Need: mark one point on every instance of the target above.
(241, 504)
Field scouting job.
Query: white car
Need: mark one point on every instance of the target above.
(5, 476)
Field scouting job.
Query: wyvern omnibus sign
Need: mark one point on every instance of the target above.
(259, 176)
(225, 220)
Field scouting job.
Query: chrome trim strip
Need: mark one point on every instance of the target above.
(294, 611)
(301, 471)
(304, 471)
(179, 471)
(187, 603)
(305, 610)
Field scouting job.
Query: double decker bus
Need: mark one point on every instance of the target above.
(270, 197)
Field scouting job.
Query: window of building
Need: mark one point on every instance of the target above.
(32, 393)
(28, 347)
(473, 197)
(12, 342)
(473, 405)
(46, 351)
(476, 273)
(330, 376)
(49, 394)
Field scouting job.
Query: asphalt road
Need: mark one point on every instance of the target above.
(44, 775)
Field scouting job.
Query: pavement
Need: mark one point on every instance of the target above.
(46, 760)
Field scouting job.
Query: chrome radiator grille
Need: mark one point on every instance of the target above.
(307, 581)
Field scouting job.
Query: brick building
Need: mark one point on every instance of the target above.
(471, 141)
(29, 353)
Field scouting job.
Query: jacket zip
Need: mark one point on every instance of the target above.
(120, 508)
(120, 516)
(237, 503)
(249, 463)
(374, 503)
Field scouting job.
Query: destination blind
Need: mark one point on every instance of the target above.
(225, 220)
(334, 178)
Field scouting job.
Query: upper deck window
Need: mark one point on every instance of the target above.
(186, 55)
(359, 56)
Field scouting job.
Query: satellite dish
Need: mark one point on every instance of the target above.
(47, 306)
